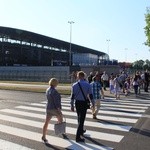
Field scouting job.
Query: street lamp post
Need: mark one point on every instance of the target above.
(70, 52)
(108, 40)
(125, 54)
(135, 56)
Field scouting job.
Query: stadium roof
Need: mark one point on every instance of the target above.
(30, 37)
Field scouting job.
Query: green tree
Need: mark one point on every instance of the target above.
(147, 27)
(146, 64)
(141, 65)
(138, 64)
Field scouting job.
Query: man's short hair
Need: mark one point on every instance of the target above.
(81, 74)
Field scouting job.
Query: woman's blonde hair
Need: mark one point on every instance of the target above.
(53, 82)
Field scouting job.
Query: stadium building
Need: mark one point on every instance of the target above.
(24, 48)
(29, 56)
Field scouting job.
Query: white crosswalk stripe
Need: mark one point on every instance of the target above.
(72, 121)
(10, 146)
(117, 117)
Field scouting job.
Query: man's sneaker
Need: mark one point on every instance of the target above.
(83, 132)
(80, 140)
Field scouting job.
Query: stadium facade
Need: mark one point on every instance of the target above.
(24, 48)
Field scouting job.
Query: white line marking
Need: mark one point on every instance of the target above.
(130, 100)
(139, 100)
(118, 113)
(6, 145)
(124, 106)
(112, 112)
(92, 134)
(121, 109)
(72, 121)
(114, 101)
(126, 103)
(100, 111)
(113, 98)
(116, 104)
(56, 141)
(118, 119)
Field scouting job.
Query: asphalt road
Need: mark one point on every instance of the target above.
(9, 99)
(122, 125)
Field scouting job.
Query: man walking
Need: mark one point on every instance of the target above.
(105, 79)
(97, 91)
(80, 102)
(146, 81)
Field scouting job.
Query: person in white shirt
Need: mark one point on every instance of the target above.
(104, 79)
(117, 89)
(111, 85)
(142, 79)
(135, 85)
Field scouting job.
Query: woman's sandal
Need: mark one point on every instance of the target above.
(44, 140)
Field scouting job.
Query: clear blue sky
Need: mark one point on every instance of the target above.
(121, 21)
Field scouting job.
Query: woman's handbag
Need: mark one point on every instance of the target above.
(88, 104)
(60, 128)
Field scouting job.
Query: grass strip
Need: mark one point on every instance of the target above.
(35, 89)
(35, 83)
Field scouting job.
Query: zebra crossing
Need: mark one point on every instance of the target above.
(25, 122)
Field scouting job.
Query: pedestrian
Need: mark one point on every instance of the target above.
(139, 79)
(77, 97)
(135, 85)
(90, 77)
(73, 77)
(104, 78)
(98, 93)
(117, 88)
(122, 79)
(127, 86)
(142, 78)
(146, 80)
(53, 106)
(111, 85)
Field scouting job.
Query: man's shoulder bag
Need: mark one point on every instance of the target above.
(88, 105)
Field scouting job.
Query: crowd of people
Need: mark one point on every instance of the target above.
(94, 87)
(91, 87)
(121, 83)
(124, 83)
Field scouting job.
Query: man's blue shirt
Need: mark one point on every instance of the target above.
(77, 91)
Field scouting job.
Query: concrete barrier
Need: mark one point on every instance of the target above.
(41, 73)
(44, 73)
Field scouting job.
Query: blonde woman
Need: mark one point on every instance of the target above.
(53, 107)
